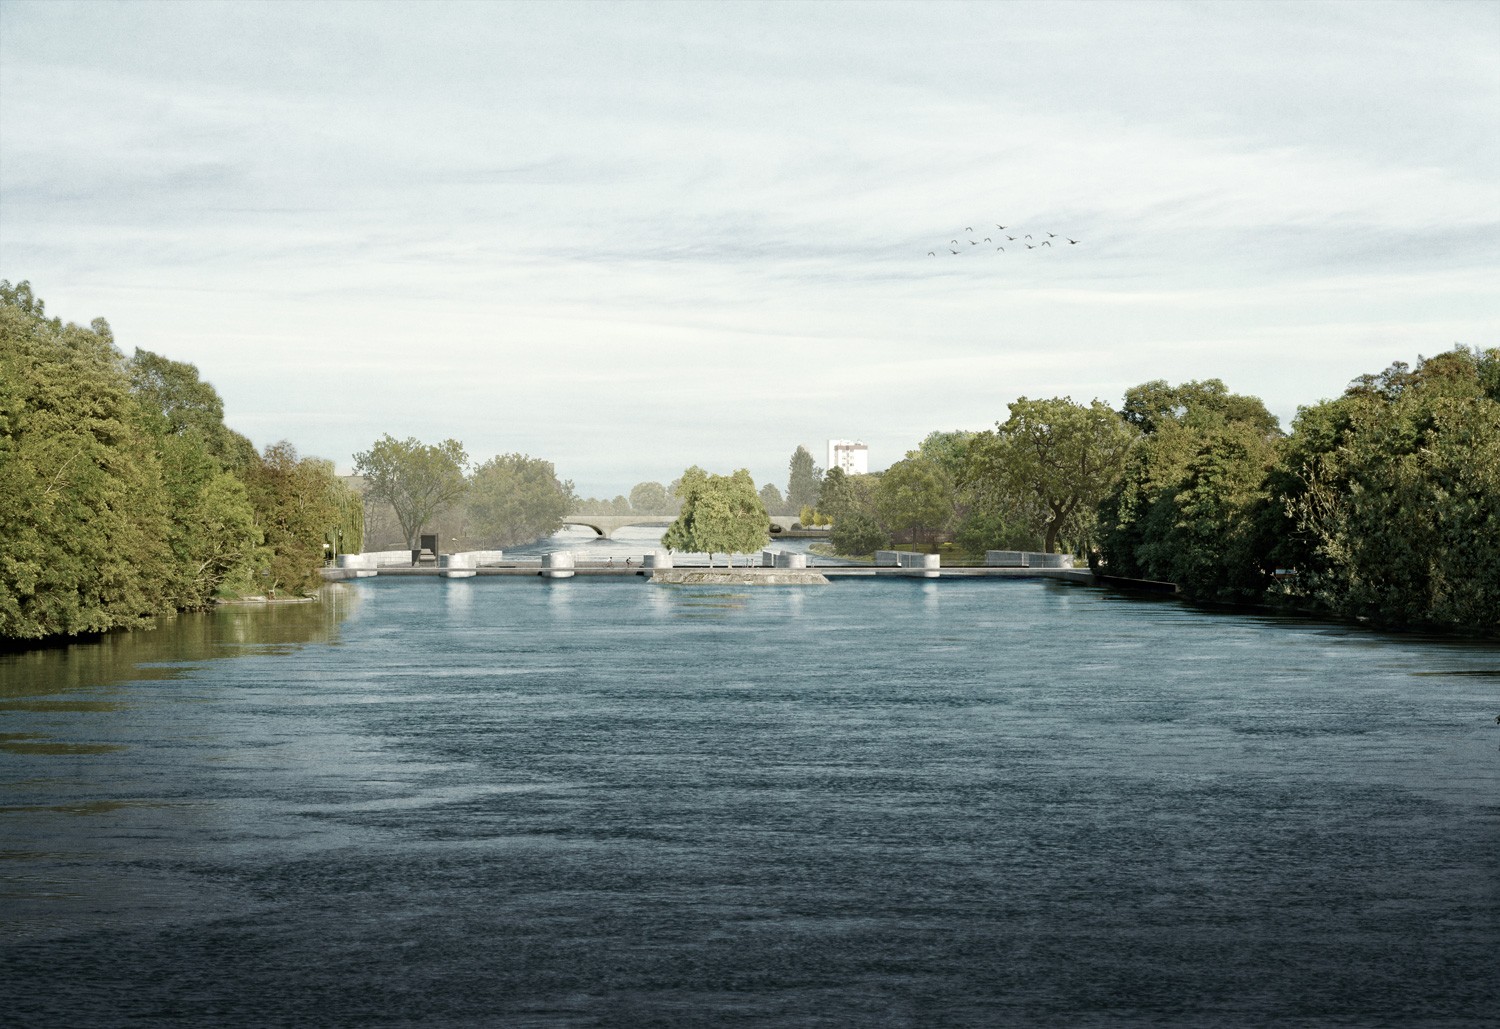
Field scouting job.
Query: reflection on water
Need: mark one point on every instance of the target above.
(177, 642)
(506, 801)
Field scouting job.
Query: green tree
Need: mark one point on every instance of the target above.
(81, 508)
(804, 480)
(177, 403)
(771, 497)
(1389, 497)
(858, 532)
(417, 479)
(213, 536)
(722, 514)
(651, 498)
(297, 506)
(1153, 405)
(1063, 455)
(914, 496)
(514, 498)
(1189, 507)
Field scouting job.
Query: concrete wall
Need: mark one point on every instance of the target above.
(1026, 559)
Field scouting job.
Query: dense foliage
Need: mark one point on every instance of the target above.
(515, 499)
(123, 496)
(722, 514)
(1383, 504)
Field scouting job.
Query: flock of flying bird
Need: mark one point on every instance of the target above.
(961, 246)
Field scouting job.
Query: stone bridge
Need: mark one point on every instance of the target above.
(606, 525)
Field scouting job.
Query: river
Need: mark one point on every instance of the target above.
(501, 801)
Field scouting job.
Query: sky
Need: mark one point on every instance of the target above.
(631, 237)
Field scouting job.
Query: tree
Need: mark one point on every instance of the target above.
(1189, 506)
(771, 497)
(857, 532)
(721, 514)
(651, 498)
(914, 496)
(803, 481)
(1387, 499)
(417, 479)
(1153, 405)
(516, 499)
(213, 534)
(81, 508)
(180, 404)
(684, 483)
(297, 506)
(1063, 455)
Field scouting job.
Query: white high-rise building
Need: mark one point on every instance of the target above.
(850, 455)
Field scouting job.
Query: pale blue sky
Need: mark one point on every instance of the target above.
(631, 237)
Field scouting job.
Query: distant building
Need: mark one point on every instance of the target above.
(850, 455)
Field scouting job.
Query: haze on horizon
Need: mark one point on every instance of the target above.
(632, 237)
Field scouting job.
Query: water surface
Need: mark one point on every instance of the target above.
(508, 801)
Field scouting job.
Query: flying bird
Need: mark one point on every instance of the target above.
(953, 251)
(1010, 237)
(1028, 235)
(988, 240)
(1052, 234)
(999, 248)
(968, 228)
(1073, 241)
(932, 253)
(1046, 242)
(1000, 227)
(1030, 247)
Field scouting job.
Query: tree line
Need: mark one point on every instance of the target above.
(507, 500)
(1382, 504)
(655, 498)
(124, 496)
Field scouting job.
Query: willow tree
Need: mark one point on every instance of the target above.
(721, 514)
(417, 479)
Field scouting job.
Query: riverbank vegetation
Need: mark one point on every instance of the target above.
(1382, 504)
(124, 496)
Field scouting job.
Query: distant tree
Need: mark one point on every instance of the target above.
(914, 496)
(1063, 455)
(297, 505)
(722, 514)
(516, 499)
(856, 533)
(417, 479)
(949, 451)
(803, 481)
(651, 498)
(771, 497)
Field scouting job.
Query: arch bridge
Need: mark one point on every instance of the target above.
(607, 525)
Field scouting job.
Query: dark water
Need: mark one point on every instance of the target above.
(509, 802)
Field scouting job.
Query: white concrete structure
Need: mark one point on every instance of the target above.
(925, 565)
(363, 565)
(463, 565)
(558, 564)
(779, 559)
(850, 455)
(659, 559)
